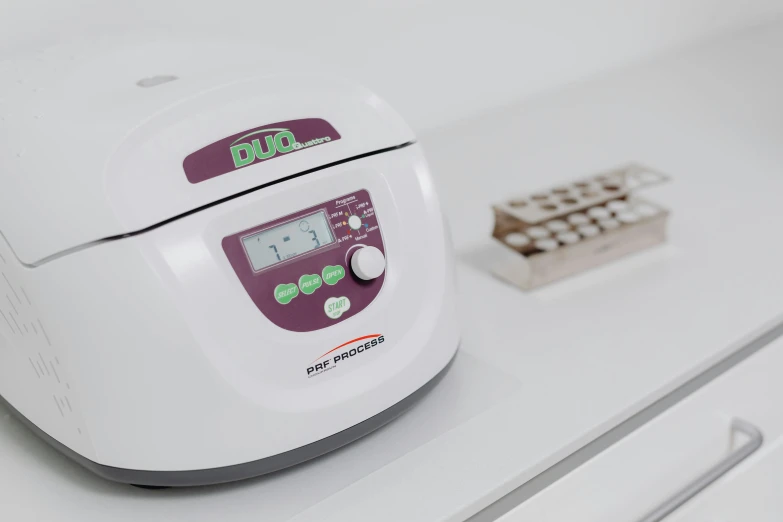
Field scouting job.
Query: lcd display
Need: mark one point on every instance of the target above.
(276, 244)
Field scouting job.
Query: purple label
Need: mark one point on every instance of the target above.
(256, 145)
(316, 288)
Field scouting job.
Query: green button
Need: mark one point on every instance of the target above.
(309, 283)
(285, 293)
(332, 274)
(334, 307)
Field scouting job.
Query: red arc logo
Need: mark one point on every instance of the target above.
(371, 336)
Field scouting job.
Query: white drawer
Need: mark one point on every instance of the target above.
(643, 470)
(751, 494)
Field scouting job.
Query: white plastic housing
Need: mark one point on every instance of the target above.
(148, 353)
(86, 153)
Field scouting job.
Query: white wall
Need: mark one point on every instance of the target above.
(436, 60)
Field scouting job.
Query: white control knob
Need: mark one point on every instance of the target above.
(368, 263)
(355, 222)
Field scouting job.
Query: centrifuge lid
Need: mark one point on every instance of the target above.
(112, 142)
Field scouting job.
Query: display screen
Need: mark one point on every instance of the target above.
(288, 240)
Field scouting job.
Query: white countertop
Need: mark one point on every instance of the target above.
(512, 48)
(539, 374)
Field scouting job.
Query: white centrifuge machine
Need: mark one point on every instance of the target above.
(211, 275)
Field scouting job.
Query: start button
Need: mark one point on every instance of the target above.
(336, 306)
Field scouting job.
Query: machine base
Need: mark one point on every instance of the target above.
(205, 477)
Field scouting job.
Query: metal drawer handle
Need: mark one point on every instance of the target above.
(711, 475)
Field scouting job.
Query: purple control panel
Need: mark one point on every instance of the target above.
(297, 268)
